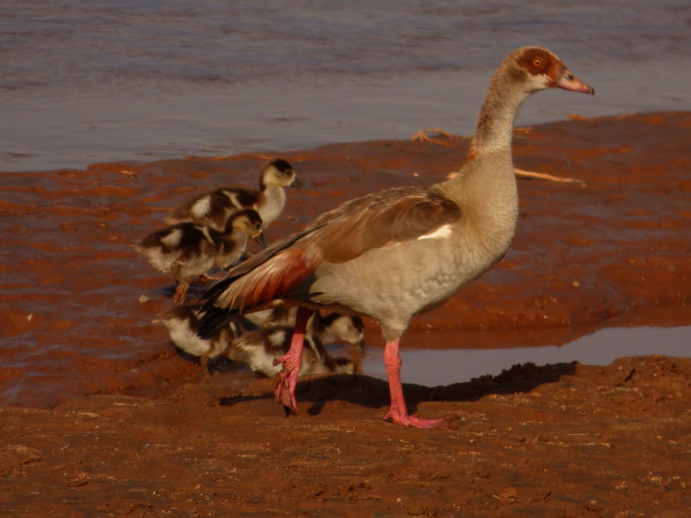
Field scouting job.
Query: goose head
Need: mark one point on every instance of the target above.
(279, 172)
(537, 68)
(523, 72)
(250, 222)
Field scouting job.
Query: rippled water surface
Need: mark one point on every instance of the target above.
(89, 81)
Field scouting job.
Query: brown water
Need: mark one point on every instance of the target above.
(86, 82)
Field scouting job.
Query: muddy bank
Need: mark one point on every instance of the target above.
(102, 418)
(614, 244)
(563, 440)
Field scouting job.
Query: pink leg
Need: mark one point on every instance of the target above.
(288, 377)
(398, 412)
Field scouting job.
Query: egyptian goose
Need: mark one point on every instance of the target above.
(186, 250)
(214, 208)
(402, 251)
(183, 323)
(331, 328)
(263, 348)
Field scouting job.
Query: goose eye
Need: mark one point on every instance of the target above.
(537, 62)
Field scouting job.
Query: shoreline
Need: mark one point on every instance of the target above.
(584, 254)
(133, 429)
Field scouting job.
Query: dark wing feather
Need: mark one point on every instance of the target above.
(213, 320)
(216, 289)
(219, 202)
(243, 197)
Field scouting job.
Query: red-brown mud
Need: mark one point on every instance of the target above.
(103, 418)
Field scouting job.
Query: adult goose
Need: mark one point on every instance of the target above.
(214, 208)
(186, 250)
(402, 251)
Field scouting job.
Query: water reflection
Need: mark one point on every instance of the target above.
(442, 367)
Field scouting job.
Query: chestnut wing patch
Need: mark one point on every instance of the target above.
(274, 279)
(264, 276)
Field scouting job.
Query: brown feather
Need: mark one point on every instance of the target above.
(383, 222)
(372, 221)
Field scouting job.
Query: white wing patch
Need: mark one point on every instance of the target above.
(181, 333)
(442, 232)
(201, 207)
(172, 240)
(277, 338)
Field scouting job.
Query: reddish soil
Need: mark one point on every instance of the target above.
(562, 440)
(102, 418)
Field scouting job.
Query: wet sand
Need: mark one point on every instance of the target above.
(102, 417)
(563, 440)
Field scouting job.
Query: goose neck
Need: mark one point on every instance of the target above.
(495, 124)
